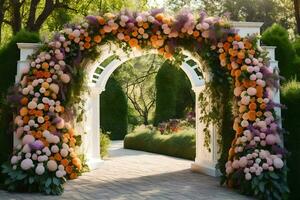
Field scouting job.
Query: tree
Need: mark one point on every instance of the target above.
(297, 14)
(137, 79)
(278, 36)
(113, 110)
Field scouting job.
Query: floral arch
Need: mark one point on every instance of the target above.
(51, 98)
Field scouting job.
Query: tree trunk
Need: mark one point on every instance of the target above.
(145, 117)
(297, 14)
(16, 16)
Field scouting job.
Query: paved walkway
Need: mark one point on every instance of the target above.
(135, 175)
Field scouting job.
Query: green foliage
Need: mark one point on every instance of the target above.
(9, 56)
(165, 93)
(277, 36)
(173, 93)
(181, 144)
(19, 180)
(104, 144)
(290, 97)
(185, 98)
(113, 116)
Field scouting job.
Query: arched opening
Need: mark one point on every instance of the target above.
(98, 78)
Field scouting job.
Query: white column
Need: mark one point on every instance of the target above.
(91, 140)
(274, 66)
(26, 49)
(205, 161)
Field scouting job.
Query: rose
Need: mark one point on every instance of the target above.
(278, 163)
(28, 139)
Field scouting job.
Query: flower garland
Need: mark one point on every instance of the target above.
(47, 154)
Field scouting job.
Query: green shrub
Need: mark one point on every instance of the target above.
(290, 93)
(9, 56)
(113, 112)
(278, 36)
(181, 144)
(104, 144)
(173, 93)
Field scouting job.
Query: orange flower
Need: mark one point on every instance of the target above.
(252, 106)
(23, 111)
(133, 42)
(97, 38)
(229, 39)
(65, 163)
(69, 169)
(45, 65)
(57, 157)
(87, 39)
(226, 46)
(87, 45)
(134, 33)
(259, 91)
(241, 55)
(168, 55)
(73, 176)
(159, 16)
(237, 73)
(25, 119)
(24, 101)
(101, 20)
(196, 34)
(252, 115)
(126, 38)
(145, 25)
(237, 37)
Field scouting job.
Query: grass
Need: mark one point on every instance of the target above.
(181, 144)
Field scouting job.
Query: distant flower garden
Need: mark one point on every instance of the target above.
(44, 123)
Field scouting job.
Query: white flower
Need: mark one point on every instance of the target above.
(278, 163)
(32, 105)
(248, 176)
(26, 164)
(40, 169)
(54, 149)
(59, 174)
(14, 160)
(64, 152)
(54, 87)
(65, 78)
(52, 165)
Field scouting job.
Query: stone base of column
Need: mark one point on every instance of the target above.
(94, 163)
(205, 169)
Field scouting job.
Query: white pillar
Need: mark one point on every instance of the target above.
(274, 66)
(205, 161)
(26, 49)
(91, 139)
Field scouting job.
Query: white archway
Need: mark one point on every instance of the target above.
(205, 161)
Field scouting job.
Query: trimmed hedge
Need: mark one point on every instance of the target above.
(290, 93)
(165, 83)
(181, 144)
(173, 93)
(278, 36)
(9, 56)
(113, 112)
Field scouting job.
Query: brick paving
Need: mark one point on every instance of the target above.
(135, 175)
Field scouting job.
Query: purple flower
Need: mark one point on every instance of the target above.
(37, 145)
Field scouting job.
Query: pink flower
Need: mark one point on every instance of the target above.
(270, 139)
(52, 165)
(251, 91)
(28, 139)
(278, 163)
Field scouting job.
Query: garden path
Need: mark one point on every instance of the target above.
(135, 175)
